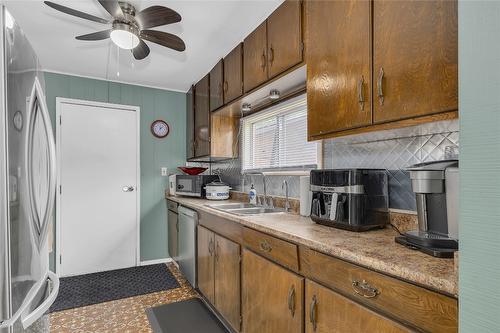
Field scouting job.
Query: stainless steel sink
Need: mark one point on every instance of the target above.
(232, 206)
(244, 209)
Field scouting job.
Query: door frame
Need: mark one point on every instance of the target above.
(59, 103)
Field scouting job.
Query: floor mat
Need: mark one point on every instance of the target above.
(88, 289)
(191, 316)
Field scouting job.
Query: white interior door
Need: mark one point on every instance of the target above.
(98, 210)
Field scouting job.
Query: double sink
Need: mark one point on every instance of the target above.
(244, 209)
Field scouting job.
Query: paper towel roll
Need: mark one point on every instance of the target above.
(305, 196)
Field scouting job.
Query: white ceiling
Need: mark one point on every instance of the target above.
(210, 29)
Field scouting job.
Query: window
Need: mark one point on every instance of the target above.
(277, 138)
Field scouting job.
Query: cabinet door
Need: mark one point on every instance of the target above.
(255, 58)
(415, 58)
(329, 312)
(202, 118)
(227, 280)
(190, 123)
(216, 89)
(284, 37)
(272, 297)
(338, 65)
(206, 261)
(233, 74)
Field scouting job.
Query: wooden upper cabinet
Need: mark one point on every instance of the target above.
(284, 37)
(338, 65)
(329, 312)
(190, 153)
(255, 58)
(233, 74)
(272, 297)
(206, 262)
(415, 58)
(216, 86)
(227, 280)
(202, 117)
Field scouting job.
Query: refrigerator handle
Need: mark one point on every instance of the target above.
(37, 99)
(28, 319)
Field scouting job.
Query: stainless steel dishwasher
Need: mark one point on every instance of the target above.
(173, 229)
(186, 259)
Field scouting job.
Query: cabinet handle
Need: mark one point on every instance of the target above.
(380, 87)
(217, 252)
(291, 300)
(361, 95)
(271, 55)
(265, 246)
(364, 289)
(211, 247)
(225, 86)
(263, 60)
(312, 313)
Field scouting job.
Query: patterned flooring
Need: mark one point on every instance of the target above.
(126, 315)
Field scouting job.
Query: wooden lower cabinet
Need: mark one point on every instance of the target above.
(219, 274)
(227, 280)
(329, 312)
(272, 297)
(206, 263)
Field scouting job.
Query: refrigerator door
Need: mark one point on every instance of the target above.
(5, 311)
(30, 183)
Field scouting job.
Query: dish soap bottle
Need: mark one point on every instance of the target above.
(252, 195)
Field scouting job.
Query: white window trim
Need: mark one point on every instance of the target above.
(279, 171)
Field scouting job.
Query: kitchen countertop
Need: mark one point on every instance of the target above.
(375, 249)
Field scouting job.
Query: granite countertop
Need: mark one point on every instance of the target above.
(375, 249)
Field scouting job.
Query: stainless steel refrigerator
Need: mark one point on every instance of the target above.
(27, 186)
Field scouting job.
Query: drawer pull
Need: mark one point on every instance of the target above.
(265, 246)
(312, 313)
(364, 289)
(291, 300)
(271, 55)
(263, 61)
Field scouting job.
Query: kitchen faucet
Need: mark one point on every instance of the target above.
(287, 201)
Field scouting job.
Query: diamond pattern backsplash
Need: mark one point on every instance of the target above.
(393, 150)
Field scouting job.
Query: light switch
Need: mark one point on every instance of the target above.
(164, 171)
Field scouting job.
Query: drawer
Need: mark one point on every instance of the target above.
(278, 250)
(410, 304)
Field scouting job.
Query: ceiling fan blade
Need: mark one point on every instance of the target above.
(100, 35)
(141, 51)
(76, 13)
(112, 7)
(155, 16)
(164, 39)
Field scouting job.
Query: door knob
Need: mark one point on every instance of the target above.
(128, 188)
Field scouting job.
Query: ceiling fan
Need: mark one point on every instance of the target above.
(130, 28)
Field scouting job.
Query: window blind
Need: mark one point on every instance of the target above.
(276, 138)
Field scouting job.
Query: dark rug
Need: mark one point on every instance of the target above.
(88, 289)
(191, 316)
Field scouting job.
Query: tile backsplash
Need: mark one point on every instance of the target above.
(393, 150)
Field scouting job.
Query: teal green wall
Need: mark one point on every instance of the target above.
(479, 74)
(155, 153)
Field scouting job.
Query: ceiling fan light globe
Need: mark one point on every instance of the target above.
(124, 39)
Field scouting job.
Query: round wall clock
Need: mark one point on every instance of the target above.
(160, 128)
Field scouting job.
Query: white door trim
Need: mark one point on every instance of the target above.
(59, 102)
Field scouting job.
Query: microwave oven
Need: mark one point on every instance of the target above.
(193, 185)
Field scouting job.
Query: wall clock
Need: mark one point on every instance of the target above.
(160, 128)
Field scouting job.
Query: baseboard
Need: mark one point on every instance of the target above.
(155, 261)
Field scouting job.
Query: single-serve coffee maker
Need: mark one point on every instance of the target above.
(436, 189)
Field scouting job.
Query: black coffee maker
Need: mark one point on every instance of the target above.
(351, 199)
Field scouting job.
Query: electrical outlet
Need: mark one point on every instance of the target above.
(164, 171)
